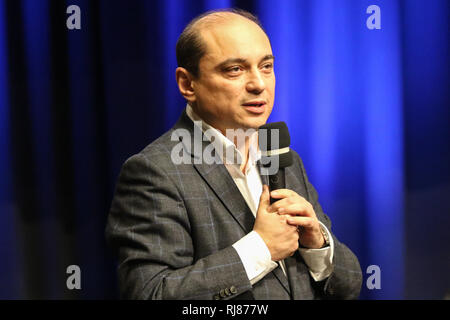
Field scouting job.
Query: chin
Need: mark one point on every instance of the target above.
(255, 123)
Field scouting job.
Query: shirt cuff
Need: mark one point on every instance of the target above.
(319, 261)
(255, 256)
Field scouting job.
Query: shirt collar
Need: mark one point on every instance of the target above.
(221, 141)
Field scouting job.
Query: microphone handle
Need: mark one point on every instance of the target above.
(277, 181)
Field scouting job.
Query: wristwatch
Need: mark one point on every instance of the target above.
(325, 236)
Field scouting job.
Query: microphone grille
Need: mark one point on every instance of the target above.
(265, 136)
(271, 148)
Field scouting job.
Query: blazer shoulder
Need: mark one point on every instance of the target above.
(152, 164)
(162, 144)
(157, 152)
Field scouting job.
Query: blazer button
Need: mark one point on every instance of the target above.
(227, 291)
(216, 297)
(222, 293)
(233, 289)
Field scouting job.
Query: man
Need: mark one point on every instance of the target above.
(197, 229)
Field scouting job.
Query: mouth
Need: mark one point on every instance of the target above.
(256, 107)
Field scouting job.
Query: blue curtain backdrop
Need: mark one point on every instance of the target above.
(368, 111)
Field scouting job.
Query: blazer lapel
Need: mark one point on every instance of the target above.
(216, 174)
(278, 272)
(220, 181)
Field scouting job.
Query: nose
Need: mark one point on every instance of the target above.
(255, 83)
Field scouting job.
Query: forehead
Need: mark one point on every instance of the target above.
(234, 36)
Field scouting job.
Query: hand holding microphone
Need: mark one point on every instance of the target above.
(280, 237)
(286, 206)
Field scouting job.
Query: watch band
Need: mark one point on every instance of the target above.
(325, 237)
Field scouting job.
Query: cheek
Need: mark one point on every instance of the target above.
(221, 89)
(229, 94)
(271, 86)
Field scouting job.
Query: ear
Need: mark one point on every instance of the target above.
(185, 84)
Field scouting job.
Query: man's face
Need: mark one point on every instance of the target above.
(236, 83)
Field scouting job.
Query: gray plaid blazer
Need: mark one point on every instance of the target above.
(173, 227)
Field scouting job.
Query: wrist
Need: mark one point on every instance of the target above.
(326, 239)
(322, 241)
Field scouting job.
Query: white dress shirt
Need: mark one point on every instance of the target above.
(252, 249)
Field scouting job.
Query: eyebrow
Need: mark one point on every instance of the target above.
(240, 60)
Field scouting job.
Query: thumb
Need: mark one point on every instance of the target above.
(264, 200)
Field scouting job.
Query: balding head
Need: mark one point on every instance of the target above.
(227, 77)
(190, 46)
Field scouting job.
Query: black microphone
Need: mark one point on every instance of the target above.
(274, 142)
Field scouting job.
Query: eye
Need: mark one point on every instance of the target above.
(234, 70)
(267, 67)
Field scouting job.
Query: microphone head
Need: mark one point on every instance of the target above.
(274, 141)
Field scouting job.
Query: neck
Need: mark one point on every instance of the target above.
(244, 150)
(241, 138)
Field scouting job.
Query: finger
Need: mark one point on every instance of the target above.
(282, 193)
(290, 201)
(305, 222)
(297, 209)
(282, 203)
(264, 200)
